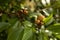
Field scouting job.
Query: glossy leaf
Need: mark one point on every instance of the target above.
(54, 27)
(27, 33)
(57, 36)
(33, 37)
(48, 20)
(15, 32)
(48, 2)
(43, 36)
(27, 24)
(43, 2)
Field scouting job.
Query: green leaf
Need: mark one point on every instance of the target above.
(3, 26)
(27, 33)
(57, 36)
(54, 27)
(2, 2)
(48, 20)
(48, 2)
(57, 4)
(27, 24)
(33, 37)
(15, 32)
(43, 36)
(12, 21)
(4, 17)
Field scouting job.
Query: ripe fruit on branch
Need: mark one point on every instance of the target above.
(40, 17)
(23, 11)
(39, 20)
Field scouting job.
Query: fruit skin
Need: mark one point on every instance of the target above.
(37, 21)
(23, 11)
(41, 17)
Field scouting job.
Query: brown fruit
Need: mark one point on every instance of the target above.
(21, 10)
(41, 17)
(41, 23)
(37, 21)
(25, 12)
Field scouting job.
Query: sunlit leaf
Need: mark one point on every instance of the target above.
(48, 20)
(27, 24)
(48, 2)
(43, 2)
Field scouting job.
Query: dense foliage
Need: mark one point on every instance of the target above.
(29, 19)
